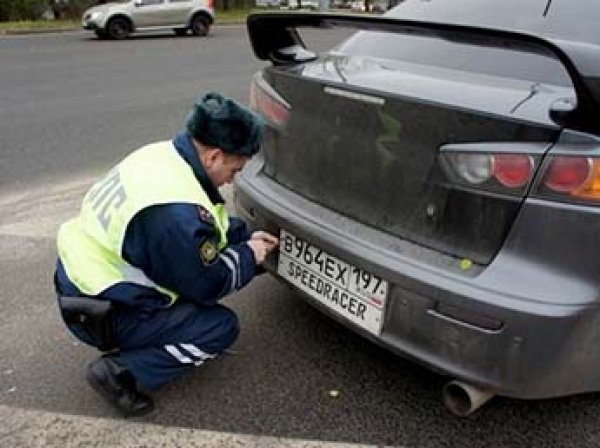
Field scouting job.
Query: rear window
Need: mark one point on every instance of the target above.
(563, 19)
(454, 55)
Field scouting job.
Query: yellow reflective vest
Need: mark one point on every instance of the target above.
(90, 245)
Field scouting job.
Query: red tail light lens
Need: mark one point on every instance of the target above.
(211, 4)
(266, 101)
(513, 170)
(567, 174)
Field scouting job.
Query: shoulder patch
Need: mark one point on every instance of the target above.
(205, 215)
(208, 252)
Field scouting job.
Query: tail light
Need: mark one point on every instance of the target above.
(264, 99)
(591, 187)
(513, 170)
(507, 172)
(567, 174)
(472, 168)
(571, 178)
(210, 4)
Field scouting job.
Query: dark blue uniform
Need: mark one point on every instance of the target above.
(158, 342)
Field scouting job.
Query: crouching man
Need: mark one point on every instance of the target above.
(143, 266)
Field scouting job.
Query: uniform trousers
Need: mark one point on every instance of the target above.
(161, 345)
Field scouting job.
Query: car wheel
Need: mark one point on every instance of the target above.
(118, 28)
(180, 31)
(101, 34)
(200, 26)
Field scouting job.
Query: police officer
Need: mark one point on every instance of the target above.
(143, 266)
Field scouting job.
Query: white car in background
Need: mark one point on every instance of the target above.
(357, 5)
(117, 20)
(268, 3)
(310, 4)
(304, 4)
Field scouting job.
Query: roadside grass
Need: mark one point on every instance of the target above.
(39, 25)
(221, 17)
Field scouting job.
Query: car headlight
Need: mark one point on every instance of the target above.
(94, 15)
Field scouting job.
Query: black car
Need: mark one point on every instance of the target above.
(435, 181)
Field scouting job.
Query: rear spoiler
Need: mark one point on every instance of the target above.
(274, 37)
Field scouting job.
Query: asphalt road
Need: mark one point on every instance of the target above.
(69, 107)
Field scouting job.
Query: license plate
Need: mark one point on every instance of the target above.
(351, 292)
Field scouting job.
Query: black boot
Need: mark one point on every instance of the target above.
(114, 382)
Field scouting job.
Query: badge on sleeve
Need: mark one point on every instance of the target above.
(208, 252)
(205, 215)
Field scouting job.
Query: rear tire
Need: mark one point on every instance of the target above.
(101, 34)
(118, 28)
(200, 25)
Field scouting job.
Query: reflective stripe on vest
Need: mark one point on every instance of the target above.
(91, 244)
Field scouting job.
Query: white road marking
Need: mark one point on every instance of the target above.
(38, 212)
(22, 428)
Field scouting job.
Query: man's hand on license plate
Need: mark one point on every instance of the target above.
(262, 243)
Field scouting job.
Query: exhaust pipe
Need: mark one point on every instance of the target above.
(463, 399)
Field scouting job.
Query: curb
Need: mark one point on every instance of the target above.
(37, 31)
(24, 428)
(17, 32)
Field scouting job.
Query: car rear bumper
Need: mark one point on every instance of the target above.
(478, 324)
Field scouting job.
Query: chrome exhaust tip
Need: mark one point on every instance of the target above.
(463, 399)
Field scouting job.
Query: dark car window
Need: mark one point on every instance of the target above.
(472, 12)
(575, 19)
(568, 19)
(564, 19)
(437, 52)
